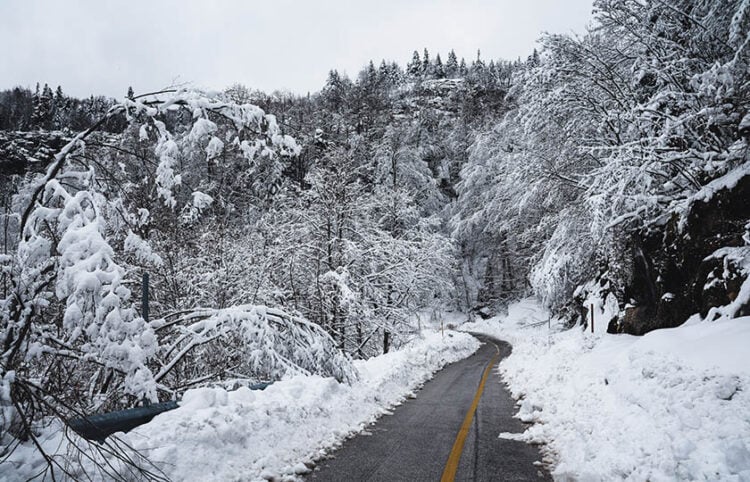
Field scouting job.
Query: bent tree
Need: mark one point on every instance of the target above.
(71, 337)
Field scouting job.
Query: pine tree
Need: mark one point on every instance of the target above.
(384, 73)
(372, 74)
(36, 114)
(462, 70)
(43, 103)
(439, 72)
(492, 72)
(451, 65)
(414, 68)
(130, 95)
(47, 102)
(426, 65)
(478, 69)
(395, 73)
(335, 90)
(59, 110)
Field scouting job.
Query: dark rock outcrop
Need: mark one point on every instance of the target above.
(680, 268)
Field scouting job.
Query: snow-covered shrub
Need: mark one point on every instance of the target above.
(244, 344)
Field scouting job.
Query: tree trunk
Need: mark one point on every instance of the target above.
(360, 353)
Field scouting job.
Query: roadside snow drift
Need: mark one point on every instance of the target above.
(278, 433)
(671, 405)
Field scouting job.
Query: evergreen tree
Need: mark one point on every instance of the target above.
(371, 74)
(395, 74)
(334, 92)
(16, 107)
(426, 64)
(384, 73)
(462, 70)
(42, 116)
(451, 65)
(414, 68)
(36, 105)
(47, 94)
(492, 72)
(438, 69)
(478, 69)
(59, 110)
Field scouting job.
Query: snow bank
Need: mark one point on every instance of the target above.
(671, 405)
(283, 429)
(278, 433)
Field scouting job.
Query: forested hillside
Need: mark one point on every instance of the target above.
(624, 160)
(289, 234)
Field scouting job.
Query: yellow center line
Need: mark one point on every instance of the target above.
(449, 473)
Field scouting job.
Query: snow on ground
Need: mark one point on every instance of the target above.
(278, 433)
(438, 319)
(671, 405)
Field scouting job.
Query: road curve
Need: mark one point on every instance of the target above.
(417, 440)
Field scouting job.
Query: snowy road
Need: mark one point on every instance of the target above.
(418, 440)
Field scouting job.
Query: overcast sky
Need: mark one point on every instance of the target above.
(102, 46)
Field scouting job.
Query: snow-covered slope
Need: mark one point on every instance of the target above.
(671, 405)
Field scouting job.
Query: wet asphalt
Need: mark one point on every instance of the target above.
(414, 443)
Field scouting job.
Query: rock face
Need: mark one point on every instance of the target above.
(690, 265)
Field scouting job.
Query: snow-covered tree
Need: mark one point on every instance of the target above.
(72, 338)
(414, 67)
(451, 65)
(438, 69)
(612, 133)
(426, 64)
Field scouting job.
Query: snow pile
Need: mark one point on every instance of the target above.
(283, 429)
(278, 433)
(670, 405)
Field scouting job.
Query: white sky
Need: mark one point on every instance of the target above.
(103, 46)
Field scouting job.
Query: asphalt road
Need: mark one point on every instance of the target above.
(416, 441)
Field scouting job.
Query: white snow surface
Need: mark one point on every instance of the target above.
(277, 433)
(274, 433)
(671, 405)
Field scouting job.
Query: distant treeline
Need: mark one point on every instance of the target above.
(22, 109)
